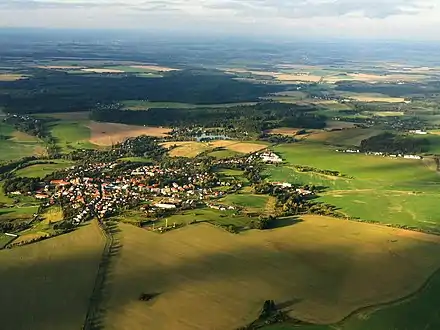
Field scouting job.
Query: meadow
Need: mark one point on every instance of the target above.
(72, 135)
(41, 170)
(403, 192)
(48, 270)
(17, 144)
(321, 267)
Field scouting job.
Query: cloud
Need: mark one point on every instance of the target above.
(321, 8)
(255, 8)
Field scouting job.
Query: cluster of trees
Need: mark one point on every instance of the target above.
(13, 226)
(21, 184)
(246, 118)
(54, 91)
(141, 146)
(276, 138)
(263, 222)
(303, 168)
(7, 167)
(394, 144)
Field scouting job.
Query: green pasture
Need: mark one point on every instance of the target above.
(18, 212)
(71, 135)
(41, 170)
(5, 240)
(375, 170)
(249, 201)
(420, 312)
(389, 207)
(221, 154)
(135, 159)
(221, 218)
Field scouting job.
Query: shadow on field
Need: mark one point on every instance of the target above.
(284, 222)
(55, 293)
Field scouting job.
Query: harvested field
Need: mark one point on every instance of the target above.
(102, 70)
(60, 67)
(284, 131)
(337, 124)
(154, 68)
(10, 77)
(329, 267)
(186, 148)
(107, 134)
(49, 283)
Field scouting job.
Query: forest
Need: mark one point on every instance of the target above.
(394, 144)
(250, 118)
(53, 91)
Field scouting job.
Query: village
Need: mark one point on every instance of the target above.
(105, 189)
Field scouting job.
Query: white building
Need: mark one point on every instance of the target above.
(418, 131)
(412, 157)
(165, 206)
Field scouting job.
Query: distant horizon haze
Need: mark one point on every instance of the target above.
(334, 19)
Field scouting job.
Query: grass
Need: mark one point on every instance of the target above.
(5, 240)
(10, 77)
(221, 154)
(346, 137)
(49, 270)
(41, 170)
(18, 212)
(403, 192)
(72, 135)
(136, 159)
(17, 144)
(248, 201)
(324, 265)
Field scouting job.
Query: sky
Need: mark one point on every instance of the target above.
(396, 19)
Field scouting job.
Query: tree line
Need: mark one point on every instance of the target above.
(394, 144)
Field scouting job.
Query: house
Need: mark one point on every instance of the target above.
(412, 157)
(165, 206)
(418, 131)
(41, 196)
(59, 182)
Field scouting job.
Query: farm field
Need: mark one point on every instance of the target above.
(231, 275)
(193, 148)
(10, 76)
(18, 144)
(72, 135)
(248, 201)
(41, 170)
(5, 240)
(107, 134)
(347, 137)
(403, 192)
(18, 212)
(417, 312)
(372, 97)
(49, 269)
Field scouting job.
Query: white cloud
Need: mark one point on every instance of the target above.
(317, 17)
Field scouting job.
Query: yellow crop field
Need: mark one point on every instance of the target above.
(10, 76)
(207, 278)
(107, 134)
(243, 147)
(154, 68)
(284, 131)
(47, 285)
(186, 148)
(102, 70)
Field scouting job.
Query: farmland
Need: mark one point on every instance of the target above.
(404, 192)
(49, 269)
(41, 170)
(260, 265)
(143, 105)
(230, 147)
(107, 134)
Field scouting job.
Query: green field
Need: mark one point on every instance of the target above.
(385, 190)
(18, 212)
(15, 145)
(41, 170)
(72, 135)
(221, 154)
(246, 200)
(5, 240)
(135, 159)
